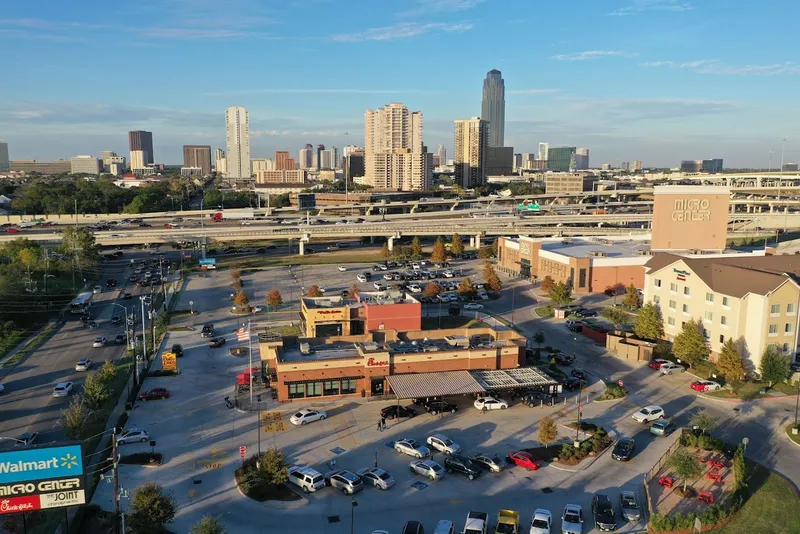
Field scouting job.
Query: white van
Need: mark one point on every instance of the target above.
(308, 479)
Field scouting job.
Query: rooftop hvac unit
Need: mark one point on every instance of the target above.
(644, 252)
(305, 348)
(457, 341)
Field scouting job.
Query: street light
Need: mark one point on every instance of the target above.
(258, 400)
(353, 504)
(127, 337)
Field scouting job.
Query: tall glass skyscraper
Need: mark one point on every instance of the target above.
(493, 107)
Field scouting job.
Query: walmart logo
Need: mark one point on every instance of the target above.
(69, 461)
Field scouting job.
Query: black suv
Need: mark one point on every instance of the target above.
(439, 406)
(564, 359)
(177, 350)
(208, 330)
(604, 516)
(623, 449)
(574, 383)
(463, 465)
(394, 411)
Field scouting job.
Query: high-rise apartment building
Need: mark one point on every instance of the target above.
(517, 162)
(5, 163)
(543, 149)
(329, 159)
(635, 165)
(493, 106)
(305, 158)
(237, 140)
(86, 165)
(469, 157)
(393, 152)
(198, 156)
(624, 165)
(318, 157)
(220, 161)
(561, 159)
(140, 144)
(582, 159)
(282, 160)
(262, 164)
(441, 151)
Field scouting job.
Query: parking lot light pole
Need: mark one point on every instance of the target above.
(580, 412)
(353, 504)
(574, 340)
(258, 399)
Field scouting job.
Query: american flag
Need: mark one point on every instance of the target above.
(243, 334)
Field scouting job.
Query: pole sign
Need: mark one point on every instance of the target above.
(169, 362)
(41, 479)
(208, 264)
(620, 383)
(306, 201)
(242, 451)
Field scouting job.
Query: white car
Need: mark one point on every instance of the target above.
(444, 444)
(541, 521)
(307, 416)
(83, 365)
(361, 278)
(572, 520)
(246, 223)
(342, 268)
(449, 274)
(63, 389)
(99, 342)
(412, 448)
(388, 276)
(415, 266)
(97, 289)
(490, 403)
(427, 468)
(378, 286)
(377, 477)
(473, 306)
(648, 413)
(415, 288)
(132, 435)
(669, 368)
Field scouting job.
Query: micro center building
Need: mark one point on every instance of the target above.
(690, 217)
(367, 311)
(303, 368)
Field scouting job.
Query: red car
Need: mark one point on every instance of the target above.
(657, 363)
(705, 385)
(155, 393)
(12, 230)
(524, 459)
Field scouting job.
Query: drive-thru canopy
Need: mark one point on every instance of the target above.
(446, 383)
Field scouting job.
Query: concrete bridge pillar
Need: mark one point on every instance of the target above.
(454, 207)
(372, 240)
(390, 241)
(301, 247)
(414, 208)
(772, 208)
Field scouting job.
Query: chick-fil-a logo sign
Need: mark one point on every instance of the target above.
(372, 362)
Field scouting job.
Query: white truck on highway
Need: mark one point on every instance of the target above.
(477, 523)
(238, 214)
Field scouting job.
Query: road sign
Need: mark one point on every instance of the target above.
(306, 201)
(169, 362)
(242, 451)
(745, 441)
(620, 383)
(208, 263)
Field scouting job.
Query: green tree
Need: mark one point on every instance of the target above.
(548, 431)
(76, 416)
(730, 362)
(466, 287)
(494, 283)
(485, 252)
(547, 284)
(538, 338)
(685, 465)
(107, 372)
(314, 291)
(151, 509)
(273, 467)
(774, 366)
(561, 294)
(95, 391)
(433, 289)
(208, 525)
(649, 323)
(615, 315)
(385, 252)
(416, 248)
(632, 299)
(690, 344)
(80, 244)
(439, 254)
(274, 299)
(241, 301)
(456, 245)
(704, 422)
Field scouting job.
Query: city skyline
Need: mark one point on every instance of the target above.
(677, 82)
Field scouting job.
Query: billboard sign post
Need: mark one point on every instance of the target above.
(208, 264)
(169, 362)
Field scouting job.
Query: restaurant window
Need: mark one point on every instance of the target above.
(330, 387)
(348, 387)
(582, 278)
(297, 391)
(314, 389)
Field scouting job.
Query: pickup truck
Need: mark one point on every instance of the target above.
(507, 522)
(477, 523)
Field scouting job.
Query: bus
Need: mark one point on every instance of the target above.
(81, 303)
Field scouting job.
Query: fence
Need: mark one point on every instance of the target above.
(655, 469)
(595, 335)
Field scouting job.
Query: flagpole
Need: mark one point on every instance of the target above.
(250, 370)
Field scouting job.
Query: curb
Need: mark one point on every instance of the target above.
(786, 432)
(717, 399)
(285, 505)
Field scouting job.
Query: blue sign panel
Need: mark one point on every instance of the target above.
(208, 262)
(35, 464)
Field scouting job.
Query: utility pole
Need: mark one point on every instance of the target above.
(116, 480)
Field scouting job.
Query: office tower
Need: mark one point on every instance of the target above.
(528, 160)
(711, 165)
(471, 142)
(113, 164)
(140, 144)
(582, 159)
(625, 165)
(85, 165)
(5, 163)
(393, 153)
(350, 149)
(635, 165)
(282, 160)
(517, 162)
(354, 165)
(318, 157)
(306, 157)
(690, 165)
(493, 106)
(197, 156)
(329, 159)
(220, 162)
(237, 140)
(561, 159)
(543, 148)
(441, 151)
(499, 160)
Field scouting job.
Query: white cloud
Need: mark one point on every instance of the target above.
(320, 91)
(713, 66)
(640, 6)
(531, 91)
(403, 30)
(430, 7)
(590, 54)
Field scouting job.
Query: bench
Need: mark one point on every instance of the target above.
(705, 497)
(714, 475)
(666, 482)
(716, 464)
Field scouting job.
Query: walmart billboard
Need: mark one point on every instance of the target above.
(43, 463)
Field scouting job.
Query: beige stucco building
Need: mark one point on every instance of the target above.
(753, 300)
(689, 217)
(394, 157)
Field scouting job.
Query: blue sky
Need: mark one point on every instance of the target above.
(656, 80)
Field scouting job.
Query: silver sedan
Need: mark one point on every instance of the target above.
(412, 447)
(427, 468)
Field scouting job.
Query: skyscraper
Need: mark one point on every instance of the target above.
(140, 144)
(493, 107)
(282, 160)
(582, 159)
(220, 162)
(393, 153)
(318, 157)
(5, 163)
(306, 157)
(442, 153)
(561, 159)
(471, 143)
(198, 156)
(543, 148)
(237, 140)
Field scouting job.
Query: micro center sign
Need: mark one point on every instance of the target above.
(691, 210)
(42, 478)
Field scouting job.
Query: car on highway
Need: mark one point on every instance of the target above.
(306, 416)
(154, 394)
(490, 462)
(120, 339)
(705, 385)
(83, 365)
(23, 440)
(572, 519)
(361, 278)
(670, 368)
(490, 403)
(473, 306)
(63, 389)
(92, 325)
(216, 342)
(541, 521)
(427, 468)
(412, 447)
(394, 411)
(99, 342)
(663, 427)
(442, 443)
(629, 506)
(524, 459)
(376, 477)
(344, 480)
(457, 463)
(207, 331)
(623, 450)
(132, 435)
(648, 414)
(657, 363)
(342, 268)
(605, 518)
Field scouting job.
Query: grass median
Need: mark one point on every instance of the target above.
(772, 506)
(29, 347)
